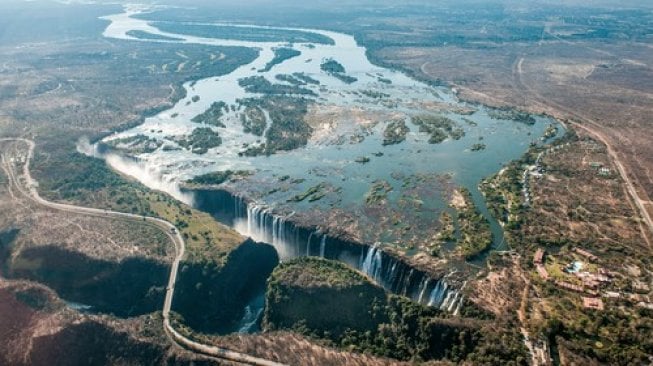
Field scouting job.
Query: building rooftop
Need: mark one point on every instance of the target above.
(592, 303)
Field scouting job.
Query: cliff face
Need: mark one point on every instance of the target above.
(324, 296)
(326, 299)
(133, 286)
(52, 334)
(211, 298)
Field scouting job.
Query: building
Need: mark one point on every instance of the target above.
(612, 295)
(586, 254)
(592, 303)
(590, 283)
(569, 286)
(542, 272)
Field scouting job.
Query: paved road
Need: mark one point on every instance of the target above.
(167, 227)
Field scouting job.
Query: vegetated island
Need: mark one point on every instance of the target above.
(281, 54)
(335, 69)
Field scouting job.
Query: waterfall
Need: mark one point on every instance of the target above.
(387, 271)
(372, 263)
(437, 294)
(308, 245)
(323, 245)
(423, 286)
(392, 276)
(460, 305)
(405, 286)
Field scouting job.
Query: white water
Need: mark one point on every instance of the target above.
(163, 170)
(183, 163)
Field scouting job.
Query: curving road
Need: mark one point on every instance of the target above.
(170, 230)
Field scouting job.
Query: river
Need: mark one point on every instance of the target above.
(348, 123)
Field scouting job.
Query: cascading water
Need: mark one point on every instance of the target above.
(372, 264)
(308, 245)
(291, 241)
(323, 245)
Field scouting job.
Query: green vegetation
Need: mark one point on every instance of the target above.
(261, 85)
(329, 301)
(512, 115)
(201, 140)
(374, 94)
(150, 36)
(297, 78)
(478, 147)
(378, 192)
(446, 234)
(253, 120)
(288, 130)
(305, 78)
(289, 79)
(281, 54)
(90, 182)
(503, 191)
(475, 234)
(243, 33)
(438, 127)
(332, 66)
(395, 132)
(212, 115)
(314, 193)
(311, 272)
(335, 69)
(216, 178)
(137, 144)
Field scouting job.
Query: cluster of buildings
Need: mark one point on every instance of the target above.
(590, 283)
(536, 170)
(593, 286)
(601, 170)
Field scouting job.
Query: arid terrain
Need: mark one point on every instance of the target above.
(572, 283)
(605, 87)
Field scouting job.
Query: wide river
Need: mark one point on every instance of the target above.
(348, 122)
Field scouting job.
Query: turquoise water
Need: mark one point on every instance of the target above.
(421, 175)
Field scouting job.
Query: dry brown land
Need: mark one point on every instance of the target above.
(573, 202)
(605, 92)
(607, 87)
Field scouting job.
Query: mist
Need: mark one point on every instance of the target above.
(151, 177)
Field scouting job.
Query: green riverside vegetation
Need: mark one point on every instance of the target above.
(212, 115)
(475, 234)
(281, 54)
(334, 304)
(438, 127)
